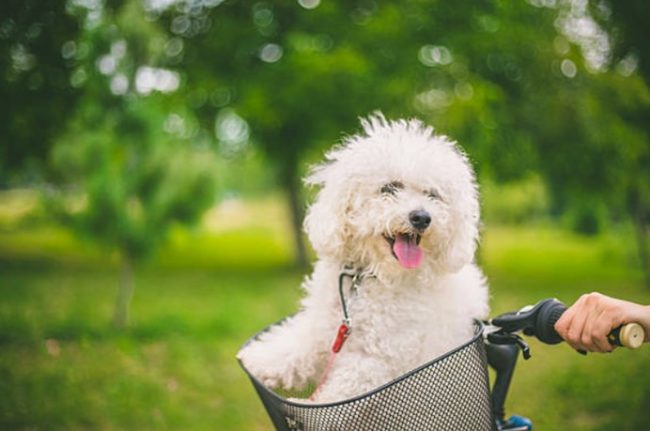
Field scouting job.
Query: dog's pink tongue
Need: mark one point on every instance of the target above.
(407, 251)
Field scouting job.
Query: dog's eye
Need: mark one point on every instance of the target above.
(433, 194)
(392, 188)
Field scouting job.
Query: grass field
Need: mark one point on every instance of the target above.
(62, 366)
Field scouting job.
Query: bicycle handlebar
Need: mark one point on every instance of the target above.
(539, 321)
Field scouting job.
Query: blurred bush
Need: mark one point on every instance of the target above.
(520, 202)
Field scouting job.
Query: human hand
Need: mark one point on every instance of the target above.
(587, 322)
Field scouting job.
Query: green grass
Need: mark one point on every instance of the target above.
(62, 366)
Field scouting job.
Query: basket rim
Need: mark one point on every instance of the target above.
(478, 333)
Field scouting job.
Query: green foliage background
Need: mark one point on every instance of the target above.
(167, 139)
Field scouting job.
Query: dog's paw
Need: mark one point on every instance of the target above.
(261, 365)
(253, 357)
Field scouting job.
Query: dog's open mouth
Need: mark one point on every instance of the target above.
(405, 248)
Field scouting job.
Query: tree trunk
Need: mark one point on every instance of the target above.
(643, 244)
(297, 213)
(125, 292)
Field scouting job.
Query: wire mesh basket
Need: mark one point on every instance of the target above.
(450, 392)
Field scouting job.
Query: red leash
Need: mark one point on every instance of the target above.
(344, 329)
(342, 335)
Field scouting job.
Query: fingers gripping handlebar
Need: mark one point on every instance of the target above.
(539, 321)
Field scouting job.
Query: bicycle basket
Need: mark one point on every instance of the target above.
(450, 392)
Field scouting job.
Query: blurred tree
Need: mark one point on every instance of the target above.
(549, 92)
(626, 23)
(294, 77)
(596, 137)
(37, 52)
(298, 73)
(128, 157)
(629, 32)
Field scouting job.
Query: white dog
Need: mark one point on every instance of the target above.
(397, 207)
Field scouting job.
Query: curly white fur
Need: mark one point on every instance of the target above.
(401, 318)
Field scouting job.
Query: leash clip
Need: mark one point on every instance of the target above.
(342, 335)
(356, 278)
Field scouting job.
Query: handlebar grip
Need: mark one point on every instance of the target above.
(549, 313)
(630, 335)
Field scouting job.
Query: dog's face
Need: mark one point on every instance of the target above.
(409, 218)
(395, 199)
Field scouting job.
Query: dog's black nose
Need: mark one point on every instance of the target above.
(420, 219)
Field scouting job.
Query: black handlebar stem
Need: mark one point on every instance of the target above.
(504, 345)
(502, 358)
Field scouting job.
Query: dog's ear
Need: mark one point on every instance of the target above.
(325, 222)
(460, 247)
